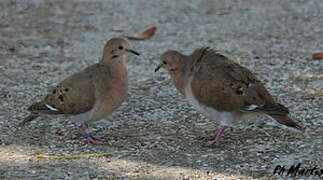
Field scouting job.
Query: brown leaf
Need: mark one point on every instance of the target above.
(143, 35)
(317, 56)
(116, 29)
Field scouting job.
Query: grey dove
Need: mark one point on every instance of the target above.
(221, 89)
(92, 93)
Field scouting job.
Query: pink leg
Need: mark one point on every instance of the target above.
(209, 137)
(89, 139)
(216, 137)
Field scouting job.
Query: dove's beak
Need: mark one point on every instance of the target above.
(133, 52)
(158, 67)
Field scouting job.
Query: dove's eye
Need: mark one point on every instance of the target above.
(120, 47)
(164, 62)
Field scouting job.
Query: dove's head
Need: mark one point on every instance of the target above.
(117, 47)
(177, 66)
(172, 61)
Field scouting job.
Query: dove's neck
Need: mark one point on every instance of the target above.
(116, 61)
(181, 76)
(118, 65)
(119, 71)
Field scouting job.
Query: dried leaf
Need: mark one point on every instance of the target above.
(317, 56)
(116, 29)
(143, 35)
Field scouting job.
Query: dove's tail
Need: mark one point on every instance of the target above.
(44, 108)
(39, 108)
(286, 120)
(29, 118)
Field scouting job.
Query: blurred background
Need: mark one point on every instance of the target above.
(41, 42)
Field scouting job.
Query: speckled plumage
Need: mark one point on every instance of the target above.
(92, 93)
(221, 88)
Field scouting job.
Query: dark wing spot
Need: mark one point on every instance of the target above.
(239, 90)
(115, 56)
(61, 98)
(54, 92)
(254, 98)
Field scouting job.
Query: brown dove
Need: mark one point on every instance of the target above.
(221, 89)
(92, 93)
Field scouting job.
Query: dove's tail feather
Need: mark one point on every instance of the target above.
(286, 120)
(39, 108)
(44, 108)
(29, 118)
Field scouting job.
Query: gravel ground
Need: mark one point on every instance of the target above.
(41, 42)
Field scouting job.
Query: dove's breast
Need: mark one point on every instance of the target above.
(223, 118)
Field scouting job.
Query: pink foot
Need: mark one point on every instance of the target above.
(93, 140)
(88, 138)
(208, 138)
(215, 138)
